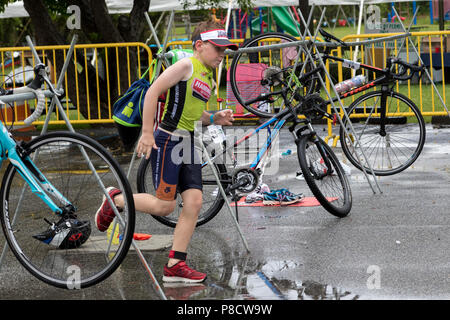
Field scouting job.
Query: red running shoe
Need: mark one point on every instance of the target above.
(105, 214)
(180, 272)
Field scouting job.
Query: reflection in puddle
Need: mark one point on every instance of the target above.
(252, 280)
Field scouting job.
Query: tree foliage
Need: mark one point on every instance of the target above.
(48, 27)
(204, 4)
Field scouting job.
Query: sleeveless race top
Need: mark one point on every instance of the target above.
(186, 100)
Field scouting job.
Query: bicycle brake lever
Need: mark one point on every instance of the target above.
(50, 86)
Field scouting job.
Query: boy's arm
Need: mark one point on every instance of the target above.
(170, 77)
(223, 117)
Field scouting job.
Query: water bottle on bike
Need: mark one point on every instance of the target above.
(350, 83)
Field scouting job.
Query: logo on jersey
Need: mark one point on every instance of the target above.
(201, 90)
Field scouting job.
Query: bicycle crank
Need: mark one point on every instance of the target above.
(244, 180)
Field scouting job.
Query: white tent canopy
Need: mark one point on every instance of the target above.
(16, 9)
(353, 2)
(168, 5)
(361, 4)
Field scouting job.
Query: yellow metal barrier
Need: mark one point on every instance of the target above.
(92, 92)
(432, 47)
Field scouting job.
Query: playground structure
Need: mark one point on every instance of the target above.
(434, 10)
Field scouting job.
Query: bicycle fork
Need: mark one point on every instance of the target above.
(38, 183)
(323, 161)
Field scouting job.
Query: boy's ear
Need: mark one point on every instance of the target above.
(198, 43)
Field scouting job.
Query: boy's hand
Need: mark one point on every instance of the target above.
(224, 117)
(145, 145)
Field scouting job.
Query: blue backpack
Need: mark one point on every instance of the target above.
(127, 110)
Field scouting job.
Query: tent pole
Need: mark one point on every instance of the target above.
(355, 54)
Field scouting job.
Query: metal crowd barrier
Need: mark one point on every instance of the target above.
(87, 106)
(434, 49)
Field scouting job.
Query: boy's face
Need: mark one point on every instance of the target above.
(210, 54)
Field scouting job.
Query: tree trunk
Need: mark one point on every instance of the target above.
(305, 9)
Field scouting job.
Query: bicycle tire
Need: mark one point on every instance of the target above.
(211, 206)
(408, 136)
(247, 85)
(59, 156)
(332, 190)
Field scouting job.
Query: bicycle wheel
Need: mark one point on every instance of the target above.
(254, 75)
(327, 182)
(393, 150)
(212, 198)
(84, 258)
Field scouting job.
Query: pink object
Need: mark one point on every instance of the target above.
(248, 80)
(306, 202)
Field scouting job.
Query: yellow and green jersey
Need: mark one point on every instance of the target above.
(187, 100)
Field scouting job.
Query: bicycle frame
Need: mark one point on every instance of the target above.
(284, 115)
(30, 173)
(279, 120)
(384, 79)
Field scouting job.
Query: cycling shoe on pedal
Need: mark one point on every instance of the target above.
(67, 233)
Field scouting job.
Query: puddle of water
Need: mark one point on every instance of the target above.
(252, 280)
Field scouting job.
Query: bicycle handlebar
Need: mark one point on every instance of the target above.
(412, 67)
(35, 88)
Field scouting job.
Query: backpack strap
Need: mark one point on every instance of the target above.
(152, 66)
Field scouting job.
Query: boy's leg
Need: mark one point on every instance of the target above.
(176, 270)
(190, 186)
(165, 180)
(192, 204)
(148, 203)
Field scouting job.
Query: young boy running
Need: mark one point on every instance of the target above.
(190, 84)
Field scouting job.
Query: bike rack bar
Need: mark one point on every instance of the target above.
(27, 96)
(309, 42)
(224, 196)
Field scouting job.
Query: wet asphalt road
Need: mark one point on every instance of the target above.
(394, 245)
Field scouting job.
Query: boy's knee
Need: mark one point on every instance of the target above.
(167, 207)
(195, 203)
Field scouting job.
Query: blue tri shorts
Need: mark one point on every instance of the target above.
(176, 165)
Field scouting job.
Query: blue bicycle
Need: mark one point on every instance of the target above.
(50, 193)
(322, 171)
